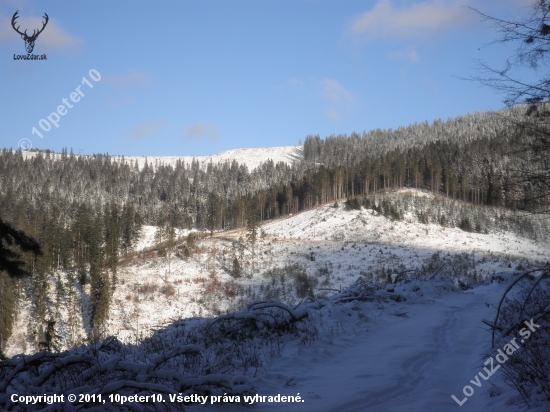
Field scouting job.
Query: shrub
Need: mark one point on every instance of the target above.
(147, 288)
(353, 204)
(466, 226)
(528, 369)
(236, 268)
(167, 290)
(229, 290)
(424, 218)
(191, 240)
(304, 284)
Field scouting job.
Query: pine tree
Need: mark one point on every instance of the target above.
(170, 234)
(112, 239)
(252, 223)
(100, 299)
(100, 284)
(212, 212)
(40, 289)
(7, 308)
(236, 267)
(73, 318)
(131, 228)
(51, 338)
(10, 260)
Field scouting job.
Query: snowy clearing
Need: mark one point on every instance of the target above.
(251, 157)
(408, 347)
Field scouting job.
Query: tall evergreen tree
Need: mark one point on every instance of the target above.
(10, 259)
(11, 267)
(100, 284)
(212, 212)
(7, 306)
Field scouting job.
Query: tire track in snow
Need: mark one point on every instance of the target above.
(416, 373)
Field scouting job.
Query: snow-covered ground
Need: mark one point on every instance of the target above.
(147, 238)
(366, 227)
(334, 246)
(251, 157)
(379, 355)
(398, 357)
(366, 357)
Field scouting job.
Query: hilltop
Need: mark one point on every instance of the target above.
(251, 157)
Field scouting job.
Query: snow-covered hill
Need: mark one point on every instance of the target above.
(252, 157)
(381, 353)
(330, 246)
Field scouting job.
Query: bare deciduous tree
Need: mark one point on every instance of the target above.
(531, 34)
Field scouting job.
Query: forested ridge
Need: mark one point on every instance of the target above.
(474, 158)
(87, 211)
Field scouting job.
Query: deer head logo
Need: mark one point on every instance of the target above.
(29, 40)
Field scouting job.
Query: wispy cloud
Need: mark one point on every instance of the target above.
(123, 81)
(53, 37)
(334, 92)
(341, 99)
(332, 114)
(389, 20)
(335, 100)
(124, 100)
(409, 54)
(292, 84)
(201, 131)
(144, 129)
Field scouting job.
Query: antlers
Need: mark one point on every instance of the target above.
(35, 33)
(15, 16)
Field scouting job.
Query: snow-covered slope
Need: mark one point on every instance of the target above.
(379, 354)
(252, 157)
(367, 227)
(408, 356)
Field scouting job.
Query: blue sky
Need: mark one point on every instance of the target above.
(201, 77)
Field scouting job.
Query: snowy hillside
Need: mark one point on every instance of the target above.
(368, 228)
(403, 348)
(397, 356)
(410, 348)
(329, 247)
(252, 157)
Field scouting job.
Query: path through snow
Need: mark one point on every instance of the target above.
(394, 363)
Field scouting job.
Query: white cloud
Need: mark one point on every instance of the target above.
(334, 99)
(201, 131)
(53, 37)
(124, 100)
(409, 54)
(335, 92)
(146, 128)
(332, 114)
(129, 80)
(292, 84)
(387, 19)
(341, 99)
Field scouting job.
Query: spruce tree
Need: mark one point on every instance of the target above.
(7, 308)
(11, 267)
(100, 285)
(212, 212)
(10, 259)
